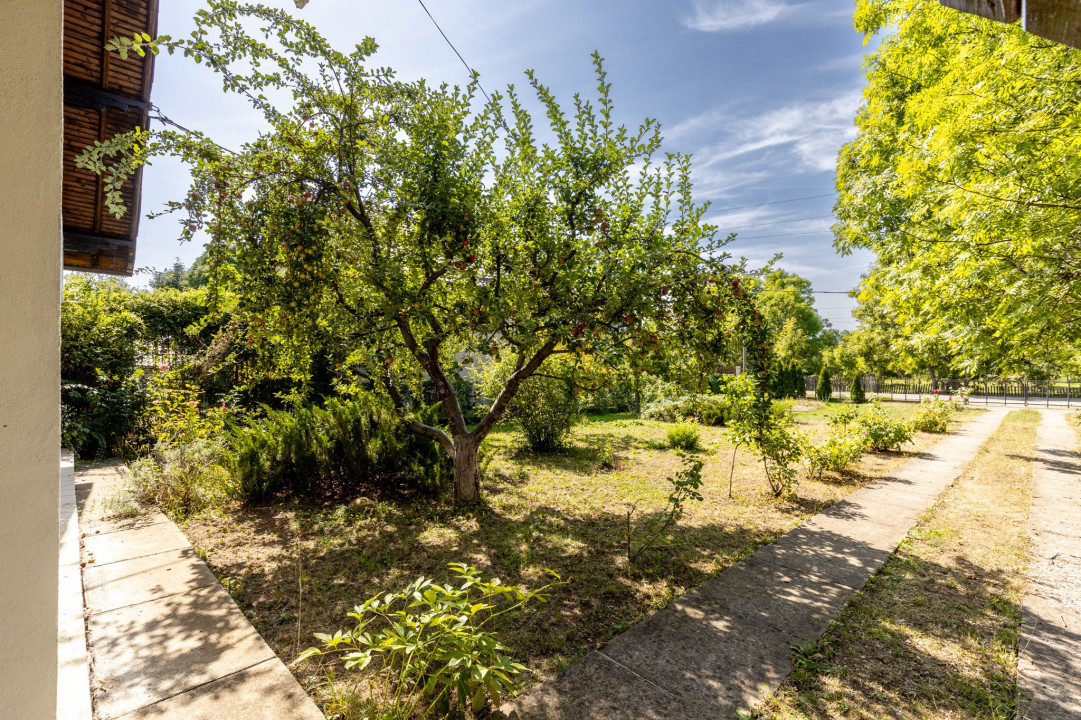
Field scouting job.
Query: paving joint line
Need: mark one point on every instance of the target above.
(194, 688)
(91, 565)
(99, 613)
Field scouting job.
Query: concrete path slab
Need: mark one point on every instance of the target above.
(130, 544)
(154, 650)
(725, 646)
(1049, 663)
(130, 582)
(265, 690)
(167, 641)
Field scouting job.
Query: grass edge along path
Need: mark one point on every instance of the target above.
(934, 633)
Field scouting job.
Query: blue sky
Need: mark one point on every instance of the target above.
(761, 92)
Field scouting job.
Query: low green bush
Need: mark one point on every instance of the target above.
(834, 454)
(181, 479)
(544, 406)
(333, 451)
(606, 456)
(706, 409)
(782, 407)
(102, 392)
(545, 410)
(883, 432)
(932, 416)
(781, 447)
(684, 436)
(427, 648)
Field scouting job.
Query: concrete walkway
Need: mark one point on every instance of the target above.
(166, 640)
(724, 647)
(1049, 665)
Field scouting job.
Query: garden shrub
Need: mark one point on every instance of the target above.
(683, 436)
(181, 479)
(102, 393)
(706, 409)
(782, 407)
(847, 416)
(711, 409)
(669, 409)
(333, 451)
(780, 446)
(606, 456)
(932, 416)
(426, 647)
(177, 415)
(834, 454)
(883, 432)
(824, 388)
(856, 393)
(545, 410)
(545, 405)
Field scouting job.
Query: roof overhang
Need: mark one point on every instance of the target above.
(1057, 20)
(103, 96)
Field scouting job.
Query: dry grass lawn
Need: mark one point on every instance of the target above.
(296, 569)
(933, 635)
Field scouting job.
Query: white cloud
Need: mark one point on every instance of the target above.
(723, 15)
(811, 130)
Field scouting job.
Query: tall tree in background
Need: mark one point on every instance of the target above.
(799, 333)
(413, 227)
(965, 180)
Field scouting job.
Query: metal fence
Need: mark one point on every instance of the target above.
(984, 391)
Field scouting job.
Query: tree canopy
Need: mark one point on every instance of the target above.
(965, 180)
(800, 335)
(412, 228)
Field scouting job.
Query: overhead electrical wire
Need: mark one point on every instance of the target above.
(776, 222)
(472, 73)
(775, 202)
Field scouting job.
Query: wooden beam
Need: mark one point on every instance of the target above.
(1058, 20)
(1007, 11)
(80, 93)
(97, 253)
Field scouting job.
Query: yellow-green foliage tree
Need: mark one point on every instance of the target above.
(965, 180)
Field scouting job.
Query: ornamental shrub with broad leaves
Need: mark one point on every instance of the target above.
(427, 650)
(413, 224)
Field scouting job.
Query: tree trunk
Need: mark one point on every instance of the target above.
(466, 470)
(637, 395)
(934, 379)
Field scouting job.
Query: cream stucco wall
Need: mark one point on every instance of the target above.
(31, 107)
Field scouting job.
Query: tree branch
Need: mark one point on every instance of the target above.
(510, 388)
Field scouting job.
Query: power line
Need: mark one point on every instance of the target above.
(472, 73)
(775, 202)
(763, 237)
(776, 222)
